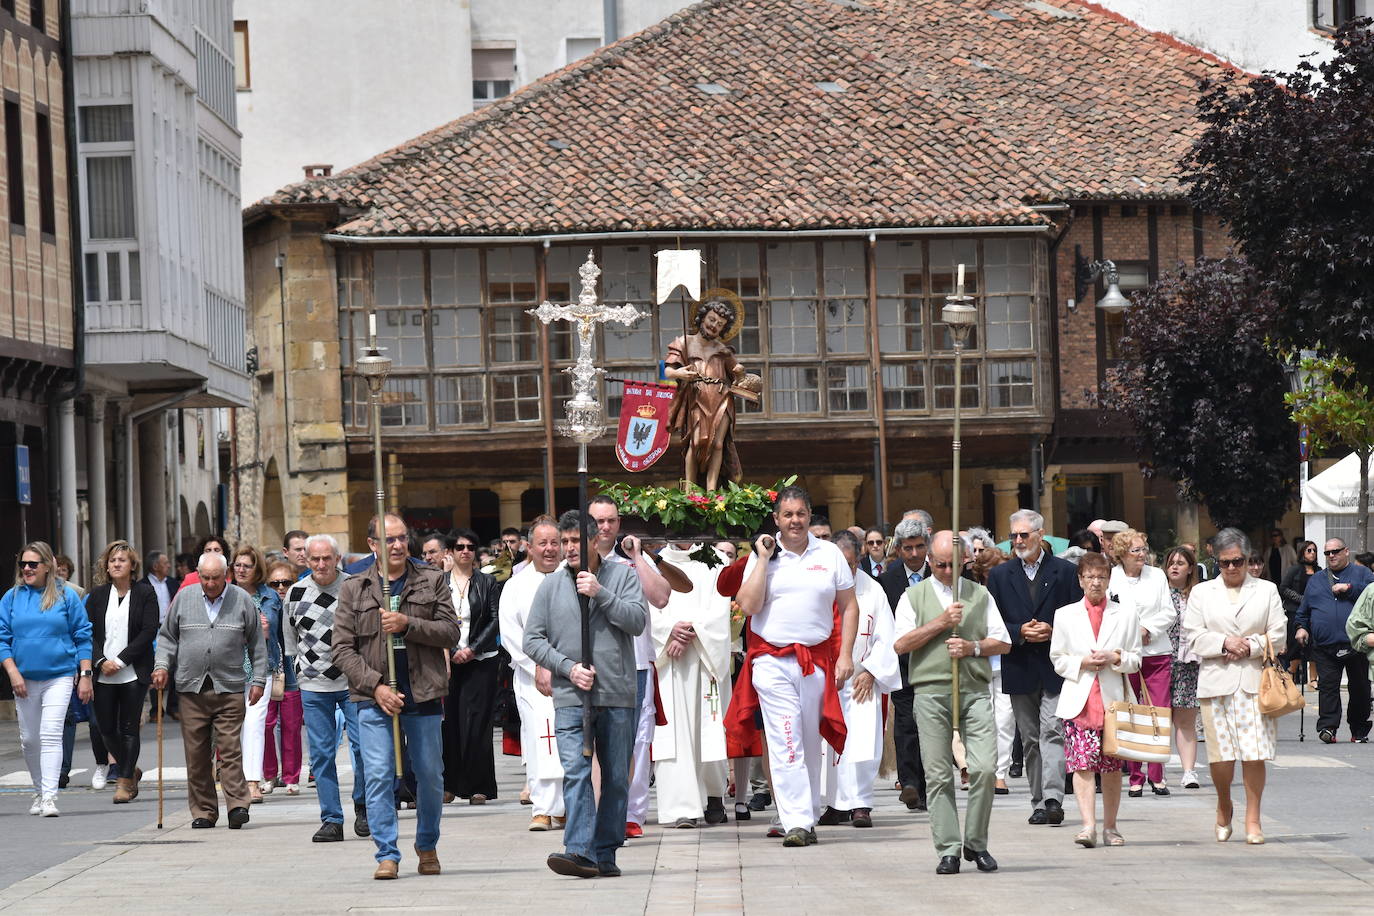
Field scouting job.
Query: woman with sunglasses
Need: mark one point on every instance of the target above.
(287, 711)
(1226, 624)
(124, 621)
(469, 762)
(1135, 583)
(45, 647)
(248, 572)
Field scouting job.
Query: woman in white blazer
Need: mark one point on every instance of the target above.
(1225, 625)
(1136, 583)
(1096, 642)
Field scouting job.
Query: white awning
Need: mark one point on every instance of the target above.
(1336, 490)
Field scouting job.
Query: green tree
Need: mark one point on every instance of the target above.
(1204, 392)
(1338, 410)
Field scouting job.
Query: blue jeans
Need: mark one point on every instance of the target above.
(324, 713)
(424, 738)
(596, 831)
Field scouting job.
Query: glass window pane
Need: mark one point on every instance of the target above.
(107, 123)
(899, 326)
(510, 276)
(513, 336)
(792, 269)
(847, 388)
(402, 333)
(945, 256)
(737, 262)
(1008, 322)
(515, 397)
(398, 277)
(846, 326)
(403, 402)
(843, 264)
(459, 400)
(625, 274)
(792, 328)
(92, 276)
(1011, 383)
(457, 338)
(135, 278)
(110, 197)
(899, 268)
(904, 386)
(793, 389)
(114, 276)
(455, 277)
(942, 377)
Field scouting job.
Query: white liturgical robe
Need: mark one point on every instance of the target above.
(538, 744)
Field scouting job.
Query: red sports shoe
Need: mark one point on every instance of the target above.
(633, 830)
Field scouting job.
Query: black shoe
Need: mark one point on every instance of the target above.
(1054, 812)
(862, 817)
(911, 797)
(742, 813)
(811, 839)
(1328, 735)
(715, 810)
(760, 801)
(1001, 790)
(574, 866)
(1016, 771)
(329, 832)
(1359, 739)
(237, 818)
(202, 823)
(360, 827)
(65, 780)
(608, 869)
(1038, 816)
(983, 860)
(1159, 788)
(1136, 792)
(949, 865)
(832, 816)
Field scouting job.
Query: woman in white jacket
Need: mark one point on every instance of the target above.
(1145, 588)
(1096, 642)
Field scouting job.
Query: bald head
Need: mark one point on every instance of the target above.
(942, 556)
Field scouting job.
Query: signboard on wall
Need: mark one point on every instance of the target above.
(23, 481)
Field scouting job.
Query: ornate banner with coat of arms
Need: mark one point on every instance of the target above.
(644, 433)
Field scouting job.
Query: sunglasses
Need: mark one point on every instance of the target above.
(1021, 535)
(1334, 553)
(878, 543)
(30, 564)
(1236, 563)
(461, 547)
(281, 583)
(942, 565)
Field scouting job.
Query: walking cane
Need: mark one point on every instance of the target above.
(160, 697)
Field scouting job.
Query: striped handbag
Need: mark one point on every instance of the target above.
(1137, 731)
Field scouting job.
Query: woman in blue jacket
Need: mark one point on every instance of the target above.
(45, 647)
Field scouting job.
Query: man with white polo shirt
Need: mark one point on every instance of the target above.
(798, 593)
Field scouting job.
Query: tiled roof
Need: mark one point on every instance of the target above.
(932, 113)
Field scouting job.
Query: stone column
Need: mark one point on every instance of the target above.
(95, 474)
(69, 524)
(1006, 486)
(395, 476)
(509, 493)
(839, 493)
(1185, 521)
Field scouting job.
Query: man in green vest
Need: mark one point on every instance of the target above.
(941, 632)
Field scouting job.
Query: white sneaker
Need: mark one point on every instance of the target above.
(100, 776)
(37, 807)
(49, 807)
(266, 786)
(1190, 780)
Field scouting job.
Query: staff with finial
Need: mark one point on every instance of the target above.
(585, 423)
(960, 315)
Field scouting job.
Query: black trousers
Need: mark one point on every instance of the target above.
(1330, 663)
(116, 711)
(910, 771)
(469, 760)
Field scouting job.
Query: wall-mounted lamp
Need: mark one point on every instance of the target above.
(1085, 272)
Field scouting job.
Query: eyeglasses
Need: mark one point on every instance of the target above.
(30, 564)
(461, 547)
(282, 583)
(1335, 553)
(1021, 535)
(394, 540)
(1139, 551)
(243, 565)
(1235, 563)
(942, 565)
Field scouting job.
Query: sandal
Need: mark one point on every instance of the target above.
(1112, 837)
(1086, 838)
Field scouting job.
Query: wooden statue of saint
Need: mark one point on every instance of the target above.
(708, 381)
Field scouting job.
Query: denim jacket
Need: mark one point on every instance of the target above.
(268, 603)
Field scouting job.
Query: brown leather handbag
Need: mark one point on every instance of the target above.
(1278, 695)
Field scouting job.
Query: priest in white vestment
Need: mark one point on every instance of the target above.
(848, 778)
(692, 640)
(538, 742)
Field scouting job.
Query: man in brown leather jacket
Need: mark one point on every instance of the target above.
(423, 629)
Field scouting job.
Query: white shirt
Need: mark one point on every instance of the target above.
(463, 611)
(164, 596)
(1148, 594)
(212, 607)
(116, 637)
(1030, 569)
(906, 614)
(799, 602)
(644, 642)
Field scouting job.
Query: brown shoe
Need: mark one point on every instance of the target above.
(429, 861)
(138, 777)
(386, 870)
(124, 791)
(449, 797)
(254, 793)
(560, 822)
(477, 799)
(541, 822)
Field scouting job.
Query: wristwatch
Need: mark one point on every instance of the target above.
(85, 672)
(977, 649)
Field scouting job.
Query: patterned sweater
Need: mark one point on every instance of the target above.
(308, 628)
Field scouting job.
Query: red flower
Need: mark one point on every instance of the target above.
(773, 494)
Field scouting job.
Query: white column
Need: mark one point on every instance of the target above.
(95, 474)
(68, 524)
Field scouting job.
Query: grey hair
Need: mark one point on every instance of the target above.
(213, 558)
(323, 539)
(1030, 517)
(845, 539)
(911, 528)
(1227, 538)
(153, 556)
(921, 515)
(977, 534)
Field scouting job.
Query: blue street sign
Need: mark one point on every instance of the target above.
(23, 484)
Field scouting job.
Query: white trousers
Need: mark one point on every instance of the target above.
(253, 741)
(641, 762)
(1004, 723)
(546, 795)
(791, 707)
(684, 782)
(847, 784)
(41, 716)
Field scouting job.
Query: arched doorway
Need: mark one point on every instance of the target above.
(273, 508)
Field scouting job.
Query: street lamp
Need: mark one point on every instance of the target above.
(1085, 272)
(374, 368)
(960, 315)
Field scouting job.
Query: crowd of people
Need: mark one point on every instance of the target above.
(716, 676)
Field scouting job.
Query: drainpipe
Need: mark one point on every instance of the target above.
(610, 22)
(67, 395)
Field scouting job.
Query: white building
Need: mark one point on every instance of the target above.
(1255, 35)
(162, 262)
(318, 80)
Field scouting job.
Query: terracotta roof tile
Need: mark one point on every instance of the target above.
(947, 115)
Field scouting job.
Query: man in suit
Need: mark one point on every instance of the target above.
(1028, 590)
(912, 536)
(874, 560)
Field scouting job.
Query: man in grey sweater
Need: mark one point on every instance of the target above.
(553, 639)
(208, 629)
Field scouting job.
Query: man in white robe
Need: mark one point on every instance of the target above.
(847, 785)
(538, 742)
(692, 639)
